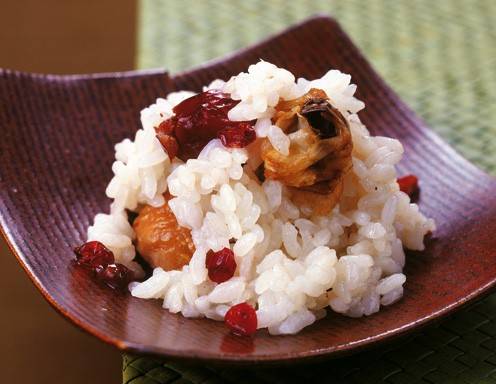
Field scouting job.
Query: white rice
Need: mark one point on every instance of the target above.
(291, 266)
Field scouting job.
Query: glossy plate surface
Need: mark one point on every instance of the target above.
(56, 152)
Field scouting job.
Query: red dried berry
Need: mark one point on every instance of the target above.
(408, 184)
(221, 265)
(93, 254)
(116, 276)
(239, 136)
(242, 319)
(168, 141)
(96, 257)
(199, 119)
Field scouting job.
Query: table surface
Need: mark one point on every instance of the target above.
(439, 56)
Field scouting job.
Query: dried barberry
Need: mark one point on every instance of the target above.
(408, 184)
(242, 319)
(116, 276)
(221, 265)
(93, 254)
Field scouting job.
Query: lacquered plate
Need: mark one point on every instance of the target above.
(56, 151)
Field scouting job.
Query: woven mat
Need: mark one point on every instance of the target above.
(440, 57)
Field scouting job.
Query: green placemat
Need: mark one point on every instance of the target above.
(440, 57)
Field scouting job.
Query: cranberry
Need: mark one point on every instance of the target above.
(242, 319)
(93, 254)
(198, 120)
(221, 265)
(116, 276)
(408, 184)
(238, 137)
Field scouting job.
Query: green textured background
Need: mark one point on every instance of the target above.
(440, 57)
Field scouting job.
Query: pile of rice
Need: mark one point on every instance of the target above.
(291, 266)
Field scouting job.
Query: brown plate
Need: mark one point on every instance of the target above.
(56, 152)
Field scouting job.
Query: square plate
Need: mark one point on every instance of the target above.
(56, 152)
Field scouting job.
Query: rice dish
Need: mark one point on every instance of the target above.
(293, 259)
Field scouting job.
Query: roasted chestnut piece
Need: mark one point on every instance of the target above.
(319, 152)
(159, 238)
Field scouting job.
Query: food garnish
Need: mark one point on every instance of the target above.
(199, 119)
(408, 184)
(241, 319)
(98, 259)
(221, 265)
